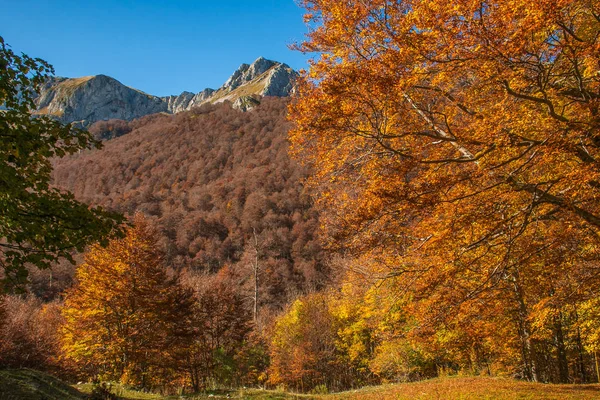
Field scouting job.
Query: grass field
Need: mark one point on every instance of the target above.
(451, 388)
(32, 385)
(467, 388)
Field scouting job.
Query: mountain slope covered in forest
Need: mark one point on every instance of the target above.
(220, 185)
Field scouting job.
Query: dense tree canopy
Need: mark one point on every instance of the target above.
(218, 183)
(125, 318)
(38, 224)
(455, 145)
(452, 149)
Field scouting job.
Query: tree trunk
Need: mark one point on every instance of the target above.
(529, 362)
(597, 370)
(561, 351)
(255, 267)
(580, 351)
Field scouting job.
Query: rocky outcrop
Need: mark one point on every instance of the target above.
(201, 98)
(96, 98)
(245, 103)
(187, 100)
(280, 81)
(247, 73)
(261, 78)
(179, 103)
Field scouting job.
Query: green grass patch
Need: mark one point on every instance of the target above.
(447, 388)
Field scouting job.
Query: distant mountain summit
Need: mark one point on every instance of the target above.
(276, 78)
(246, 86)
(95, 98)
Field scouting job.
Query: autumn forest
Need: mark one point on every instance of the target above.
(426, 203)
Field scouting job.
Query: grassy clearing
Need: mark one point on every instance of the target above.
(453, 388)
(249, 394)
(480, 388)
(33, 385)
(121, 391)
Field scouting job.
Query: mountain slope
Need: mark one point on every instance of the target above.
(96, 98)
(212, 178)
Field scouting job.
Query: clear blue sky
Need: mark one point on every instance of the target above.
(160, 47)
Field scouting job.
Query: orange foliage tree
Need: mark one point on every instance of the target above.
(456, 146)
(125, 318)
(29, 334)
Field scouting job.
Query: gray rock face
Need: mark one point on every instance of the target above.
(245, 103)
(95, 98)
(280, 81)
(247, 73)
(187, 100)
(179, 103)
(261, 78)
(201, 97)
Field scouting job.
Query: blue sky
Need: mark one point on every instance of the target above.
(160, 47)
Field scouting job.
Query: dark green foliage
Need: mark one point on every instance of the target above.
(39, 224)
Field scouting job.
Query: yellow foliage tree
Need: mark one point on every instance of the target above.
(302, 344)
(125, 318)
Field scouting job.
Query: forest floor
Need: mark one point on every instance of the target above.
(32, 385)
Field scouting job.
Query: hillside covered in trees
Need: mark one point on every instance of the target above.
(445, 155)
(224, 239)
(221, 187)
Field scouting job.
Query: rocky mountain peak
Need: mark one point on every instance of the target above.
(94, 98)
(261, 78)
(246, 73)
(89, 99)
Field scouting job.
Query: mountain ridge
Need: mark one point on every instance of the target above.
(89, 99)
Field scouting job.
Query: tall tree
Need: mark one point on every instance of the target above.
(125, 318)
(38, 224)
(302, 345)
(457, 145)
(222, 325)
